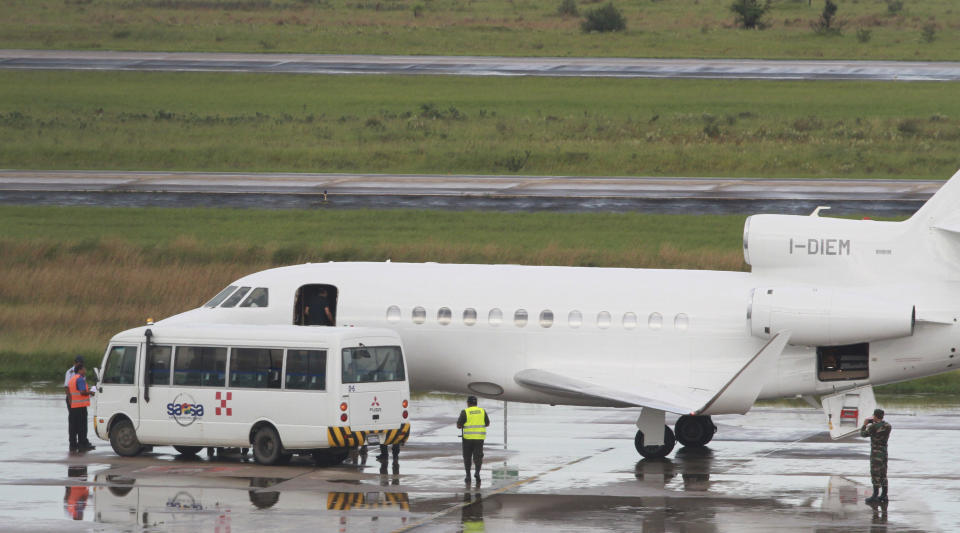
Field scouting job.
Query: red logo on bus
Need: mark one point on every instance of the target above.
(375, 402)
(223, 404)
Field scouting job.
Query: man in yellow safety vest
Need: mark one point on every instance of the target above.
(473, 421)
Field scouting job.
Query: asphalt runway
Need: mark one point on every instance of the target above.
(483, 66)
(458, 192)
(564, 469)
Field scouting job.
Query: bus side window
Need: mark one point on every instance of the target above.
(159, 365)
(202, 366)
(306, 370)
(257, 368)
(121, 363)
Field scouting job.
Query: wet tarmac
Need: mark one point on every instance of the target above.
(484, 66)
(563, 469)
(459, 192)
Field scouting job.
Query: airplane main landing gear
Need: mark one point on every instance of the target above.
(655, 452)
(694, 431)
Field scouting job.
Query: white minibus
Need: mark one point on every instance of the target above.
(279, 390)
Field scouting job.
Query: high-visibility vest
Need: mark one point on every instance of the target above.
(76, 398)
(475, 428)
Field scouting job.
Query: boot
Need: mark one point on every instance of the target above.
(467, 478)
(883, 495)
(873, 499)
(476, 476)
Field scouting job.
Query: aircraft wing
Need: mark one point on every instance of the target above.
(737, 395)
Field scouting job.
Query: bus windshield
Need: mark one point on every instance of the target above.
(372, 364)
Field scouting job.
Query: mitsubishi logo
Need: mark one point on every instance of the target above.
(375, 402)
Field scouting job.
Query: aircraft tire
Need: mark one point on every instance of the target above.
(655, 452)
(188, 451)
(694, 431)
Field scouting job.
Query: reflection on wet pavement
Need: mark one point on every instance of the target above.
(565, 468)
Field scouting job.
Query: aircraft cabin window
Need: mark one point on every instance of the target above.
(469, 316)
(681, 321)
(257, 298)
(444, 316)
(419, 315)
(235, 298)
(630, 320)
(546, 318)
(655, 321)
(575, 319)
(495, 317)
(603, 320)
(393, 314)
(520, 318)
(220, 297)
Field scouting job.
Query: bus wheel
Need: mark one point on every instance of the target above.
(123, 439)
(267, 449)
(188, 451)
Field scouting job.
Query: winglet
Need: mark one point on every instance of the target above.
(739, 394)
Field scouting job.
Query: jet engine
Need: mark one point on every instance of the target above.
(827, 317)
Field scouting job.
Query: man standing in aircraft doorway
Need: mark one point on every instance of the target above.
(879, 432)
(473, 421)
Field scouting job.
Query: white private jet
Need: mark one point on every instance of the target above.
(831, 307)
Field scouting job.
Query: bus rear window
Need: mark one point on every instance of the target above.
(221, 296)
(372, 364)
(306, 369)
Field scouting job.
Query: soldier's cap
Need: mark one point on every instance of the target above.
(471, 400)
(878, 413)
(78, 359)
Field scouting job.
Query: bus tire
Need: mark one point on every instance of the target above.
(267, 449)
(123, 438)
(188, 451)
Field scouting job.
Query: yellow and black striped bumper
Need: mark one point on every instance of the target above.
(340, 437)
(343, 501)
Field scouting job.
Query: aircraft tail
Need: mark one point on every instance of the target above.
(942, 210)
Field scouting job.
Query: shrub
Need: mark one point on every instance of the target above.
(864, 35)
(825, 24)
(568, 8)
(894, 7)
(604, 19)
(418, 11)
(929, 32)
(749, 12)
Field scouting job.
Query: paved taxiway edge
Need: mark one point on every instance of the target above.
(492, 186)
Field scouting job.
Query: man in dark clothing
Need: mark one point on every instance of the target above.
(318, 309)
(879, 433)
(473, 421)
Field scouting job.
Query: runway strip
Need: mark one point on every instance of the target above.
(482, 66)
(487, 186)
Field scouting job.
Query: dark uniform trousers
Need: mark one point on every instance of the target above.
(78, 427)
(472, 450)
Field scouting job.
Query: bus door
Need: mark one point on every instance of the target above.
(373, 386)
(118, 385)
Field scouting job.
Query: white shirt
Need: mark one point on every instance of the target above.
(66, 378)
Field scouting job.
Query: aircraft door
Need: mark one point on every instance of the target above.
(316, 305)
(847, 410)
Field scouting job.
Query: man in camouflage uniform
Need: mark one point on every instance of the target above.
(879, 433)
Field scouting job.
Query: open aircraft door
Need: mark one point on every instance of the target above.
(847, 410)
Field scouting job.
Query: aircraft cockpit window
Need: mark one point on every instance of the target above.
(575, 319)
(630, 320)
(259, 297)
(546, 318)
(603, 320)
(520, 318)
(469, 316)
(419, 315)
(235, 298)
(220, 297)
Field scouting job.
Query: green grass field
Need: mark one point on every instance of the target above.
(246, 122)
(675, 28)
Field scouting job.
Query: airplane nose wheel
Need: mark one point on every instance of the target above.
(694, 431)
(656, 452)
